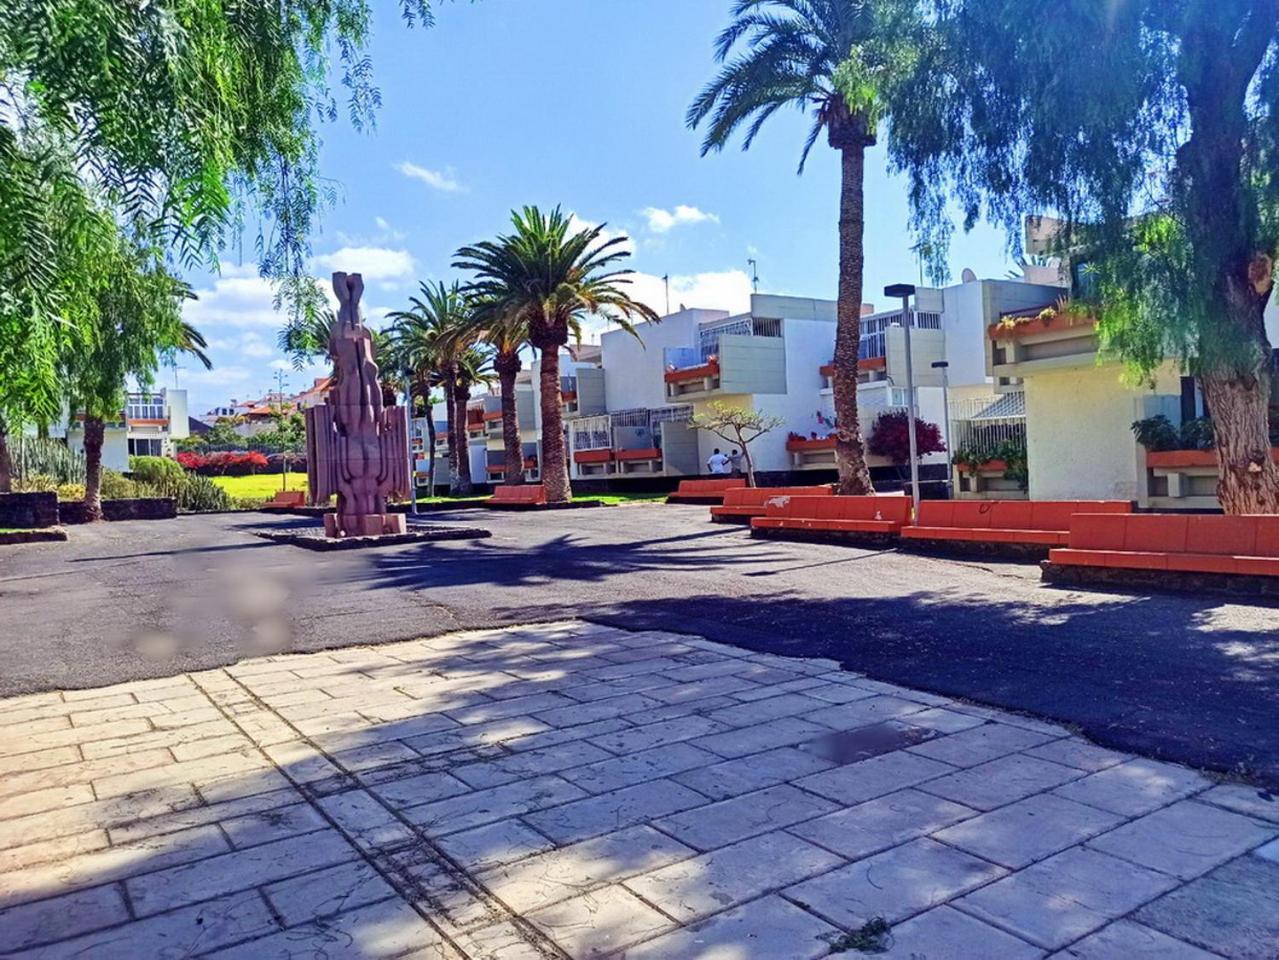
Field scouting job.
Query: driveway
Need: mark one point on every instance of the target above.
(1188, 679)
(571, 791)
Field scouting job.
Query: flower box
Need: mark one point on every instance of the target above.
(710, 369)
(1181, 459)
(989, 466)
(648, 453)
(593, 456)
(801, 446)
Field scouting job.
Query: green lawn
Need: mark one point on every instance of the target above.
(259, 486)
(263, 486)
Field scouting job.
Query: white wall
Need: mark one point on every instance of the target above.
(1079, 439)
(634, 368)
(809, 345)
(970, 308)
(179, 427)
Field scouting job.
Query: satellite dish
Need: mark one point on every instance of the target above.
(968, 276)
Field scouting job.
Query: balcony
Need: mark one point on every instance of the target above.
(1055, 338)
(742, 355)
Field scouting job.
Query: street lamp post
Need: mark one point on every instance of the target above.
(905, 291)
(944, 367)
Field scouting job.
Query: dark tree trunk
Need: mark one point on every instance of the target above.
(1232, 257)
(508, 366)
(430, 442)
(6, 463)
(450, 383)
(850, 451)
(554, 464)
(94, 432)
(464, 487)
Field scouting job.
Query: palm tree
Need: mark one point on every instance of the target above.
(474, 367)
(413, 342)
(550, 278)
(439, 322)
(507, 334)
(835, 57)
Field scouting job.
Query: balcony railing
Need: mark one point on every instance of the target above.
(708, 337)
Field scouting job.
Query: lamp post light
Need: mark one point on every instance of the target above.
(944, 367)
(905, 291)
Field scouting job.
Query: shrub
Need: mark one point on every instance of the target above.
(199, 494)
(1156, 433)
(1197, 434)
(230, 464)
(116, 486)
(36, 456)
(889, 437)
(157, 471)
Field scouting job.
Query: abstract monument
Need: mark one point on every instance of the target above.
(356, 447)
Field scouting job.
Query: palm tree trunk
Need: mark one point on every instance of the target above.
(850, 451)
(554, 464)
(463, 487)
(6, 463)
(508, 365)
(430, 442)
(94, 432)
(450, 382)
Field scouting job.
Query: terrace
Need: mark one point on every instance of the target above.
(740, 355)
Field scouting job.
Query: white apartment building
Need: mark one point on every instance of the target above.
(148, 425)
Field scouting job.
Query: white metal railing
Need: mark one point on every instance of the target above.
(677, 413)
(143, 406)
(592, 433)
(986, 423)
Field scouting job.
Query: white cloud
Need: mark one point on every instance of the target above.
(254, 347)
(281, 365)
(219, 376)
(663, 221)
(375, 263)
(442, 181)
(233, 301)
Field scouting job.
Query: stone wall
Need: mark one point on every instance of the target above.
(28, 511)
(143, 508)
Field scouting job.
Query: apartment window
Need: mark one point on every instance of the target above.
(146, 448)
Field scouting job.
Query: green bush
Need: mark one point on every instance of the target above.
(1156, 433)
(116, 486)
(198, 494)
(156, 471)
(35, 456)
(1197, 434)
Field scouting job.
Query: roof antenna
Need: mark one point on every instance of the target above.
(666, 279)
(754, 265)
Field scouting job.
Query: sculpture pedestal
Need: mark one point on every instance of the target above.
(366, 525)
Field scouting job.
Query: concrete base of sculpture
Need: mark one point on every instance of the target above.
(364, 525)
(313, 539)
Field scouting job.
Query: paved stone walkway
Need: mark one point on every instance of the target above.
(570, 790)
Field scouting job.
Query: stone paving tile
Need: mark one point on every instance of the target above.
(640, 794)
(113, 863)
(328, 891)
(497, 803)
(867, 779)
(599, 923)
(980, 744)
(568, 871)
(187, 932)
(494, 844)
(1185, 839)
(745, 740)
(1252, 801)
(770, 928)
(719, 824)
(876, 825)
(382, 930)
(1135, 787)
(1002, 781)
(733, 777)
(895, 884)
(592, 816)
(1233, 911)
(1131, 941)
(944, 933)
(1029, 830)
(1065, 897)
(230, 872)
(618, 772)
(693, 889)
(60, 917)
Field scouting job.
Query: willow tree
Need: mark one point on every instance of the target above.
(183, 118)
(1152, 128)
(839, 60)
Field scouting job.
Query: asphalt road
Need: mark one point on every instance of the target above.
(1191, 679)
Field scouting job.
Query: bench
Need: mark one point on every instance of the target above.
(705, 491)
(1024, 529)
(1170, 550)
(287, 498)
(517, 496)
(870, 520)
(742, 503)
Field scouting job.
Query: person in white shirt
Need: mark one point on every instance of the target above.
(717, 462)
(735, 463)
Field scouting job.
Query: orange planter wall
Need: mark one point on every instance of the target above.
(1170, 459)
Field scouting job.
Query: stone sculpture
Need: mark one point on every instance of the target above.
(356, 447)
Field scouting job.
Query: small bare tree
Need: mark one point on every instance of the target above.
(738, 425)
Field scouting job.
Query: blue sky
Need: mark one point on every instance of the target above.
(573, 102)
